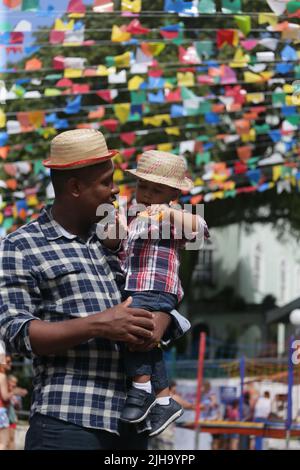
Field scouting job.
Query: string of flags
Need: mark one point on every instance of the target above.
(147, 75)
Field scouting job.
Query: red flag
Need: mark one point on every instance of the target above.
(127, 153)
(135, 27)
(105, 95)
(110, 124)
(128, 137)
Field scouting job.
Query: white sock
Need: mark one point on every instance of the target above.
(143, 386)
(163, 400)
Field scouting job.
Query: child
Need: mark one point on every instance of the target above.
(151, 265)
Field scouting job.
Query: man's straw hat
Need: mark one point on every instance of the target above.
(78, 148)
(164, 168)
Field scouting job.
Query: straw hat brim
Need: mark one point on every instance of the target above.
(80, 163)
(185, 185)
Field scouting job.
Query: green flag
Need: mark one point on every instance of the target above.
(207, 6)
(231, 6)
(244, 23)
(30, 5)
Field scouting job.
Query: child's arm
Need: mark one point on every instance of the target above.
(187, 223)
(114, 234)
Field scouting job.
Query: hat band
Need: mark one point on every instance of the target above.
(85, 162)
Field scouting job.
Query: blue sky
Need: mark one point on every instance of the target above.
(37, 19)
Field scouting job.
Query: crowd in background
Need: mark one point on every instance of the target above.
(10, 402)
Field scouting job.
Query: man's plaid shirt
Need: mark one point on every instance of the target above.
(48, 274)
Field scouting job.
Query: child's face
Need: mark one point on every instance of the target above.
(148, 193)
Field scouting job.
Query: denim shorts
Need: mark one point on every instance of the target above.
(153, 301)
(4, 421)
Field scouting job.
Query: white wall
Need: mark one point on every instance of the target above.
(256, 263)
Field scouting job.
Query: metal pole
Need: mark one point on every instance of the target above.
(242, 375)
(289, 418)
(202, 341)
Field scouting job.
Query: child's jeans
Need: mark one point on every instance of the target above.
(150, 362)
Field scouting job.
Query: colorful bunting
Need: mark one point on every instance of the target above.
(200, 94)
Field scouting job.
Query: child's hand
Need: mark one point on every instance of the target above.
(158, 211)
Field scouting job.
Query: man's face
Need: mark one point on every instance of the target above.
(148, 193)
(97, 189)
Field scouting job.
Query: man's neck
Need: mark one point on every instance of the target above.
(69, 220)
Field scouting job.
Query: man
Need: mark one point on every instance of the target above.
(60, 303)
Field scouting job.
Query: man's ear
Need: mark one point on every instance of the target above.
(176, 194)
(74, 187)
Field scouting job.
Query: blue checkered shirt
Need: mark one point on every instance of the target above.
(48, 274)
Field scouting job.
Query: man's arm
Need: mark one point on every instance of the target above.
(24, 333)
(119, 323)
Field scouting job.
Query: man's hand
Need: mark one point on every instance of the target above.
(161, 322)
(122, 323)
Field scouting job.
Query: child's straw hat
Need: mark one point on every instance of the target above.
(163, 168)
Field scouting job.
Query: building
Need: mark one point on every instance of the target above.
(241, 274)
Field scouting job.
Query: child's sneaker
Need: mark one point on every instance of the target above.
(163, 415)
(137, 406)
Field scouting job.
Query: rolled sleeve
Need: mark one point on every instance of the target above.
(19, 299)
(178, 327)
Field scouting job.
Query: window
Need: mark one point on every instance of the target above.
(258, 267)
(203, 272)
(283, 280)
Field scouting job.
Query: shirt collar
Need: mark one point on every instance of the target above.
(51, 228)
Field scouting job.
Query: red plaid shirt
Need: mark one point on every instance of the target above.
(151, 264)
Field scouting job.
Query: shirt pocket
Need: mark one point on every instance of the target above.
(62, 288)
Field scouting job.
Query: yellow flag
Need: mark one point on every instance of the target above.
(287, 88)
(59, 25)
(166, 147)
(277, 170)
(2, 118)
(267, 75)
(218, 195)
(250, 77)
(292, 100)
(157, 120)
(118, 174)
(185, 78)
(52, 92)
(118, 35)
(255, 98)
(32, 200)
(122, 111)
(249, 137)
(270, 18)
(73, 73)
(134, 6)
(168, 84)
(1, 218)
(240, 59)
(218, 178)
(135, 82)
(172, 130)
(155, 48)
(122, 60)
(198, 182)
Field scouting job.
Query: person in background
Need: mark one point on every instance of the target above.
(5, 396)
(210, 411)
(14, 404)
(247, 416)
(262, 410)
(232, 414)
(166, 439)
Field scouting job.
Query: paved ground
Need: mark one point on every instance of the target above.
(20, 436)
